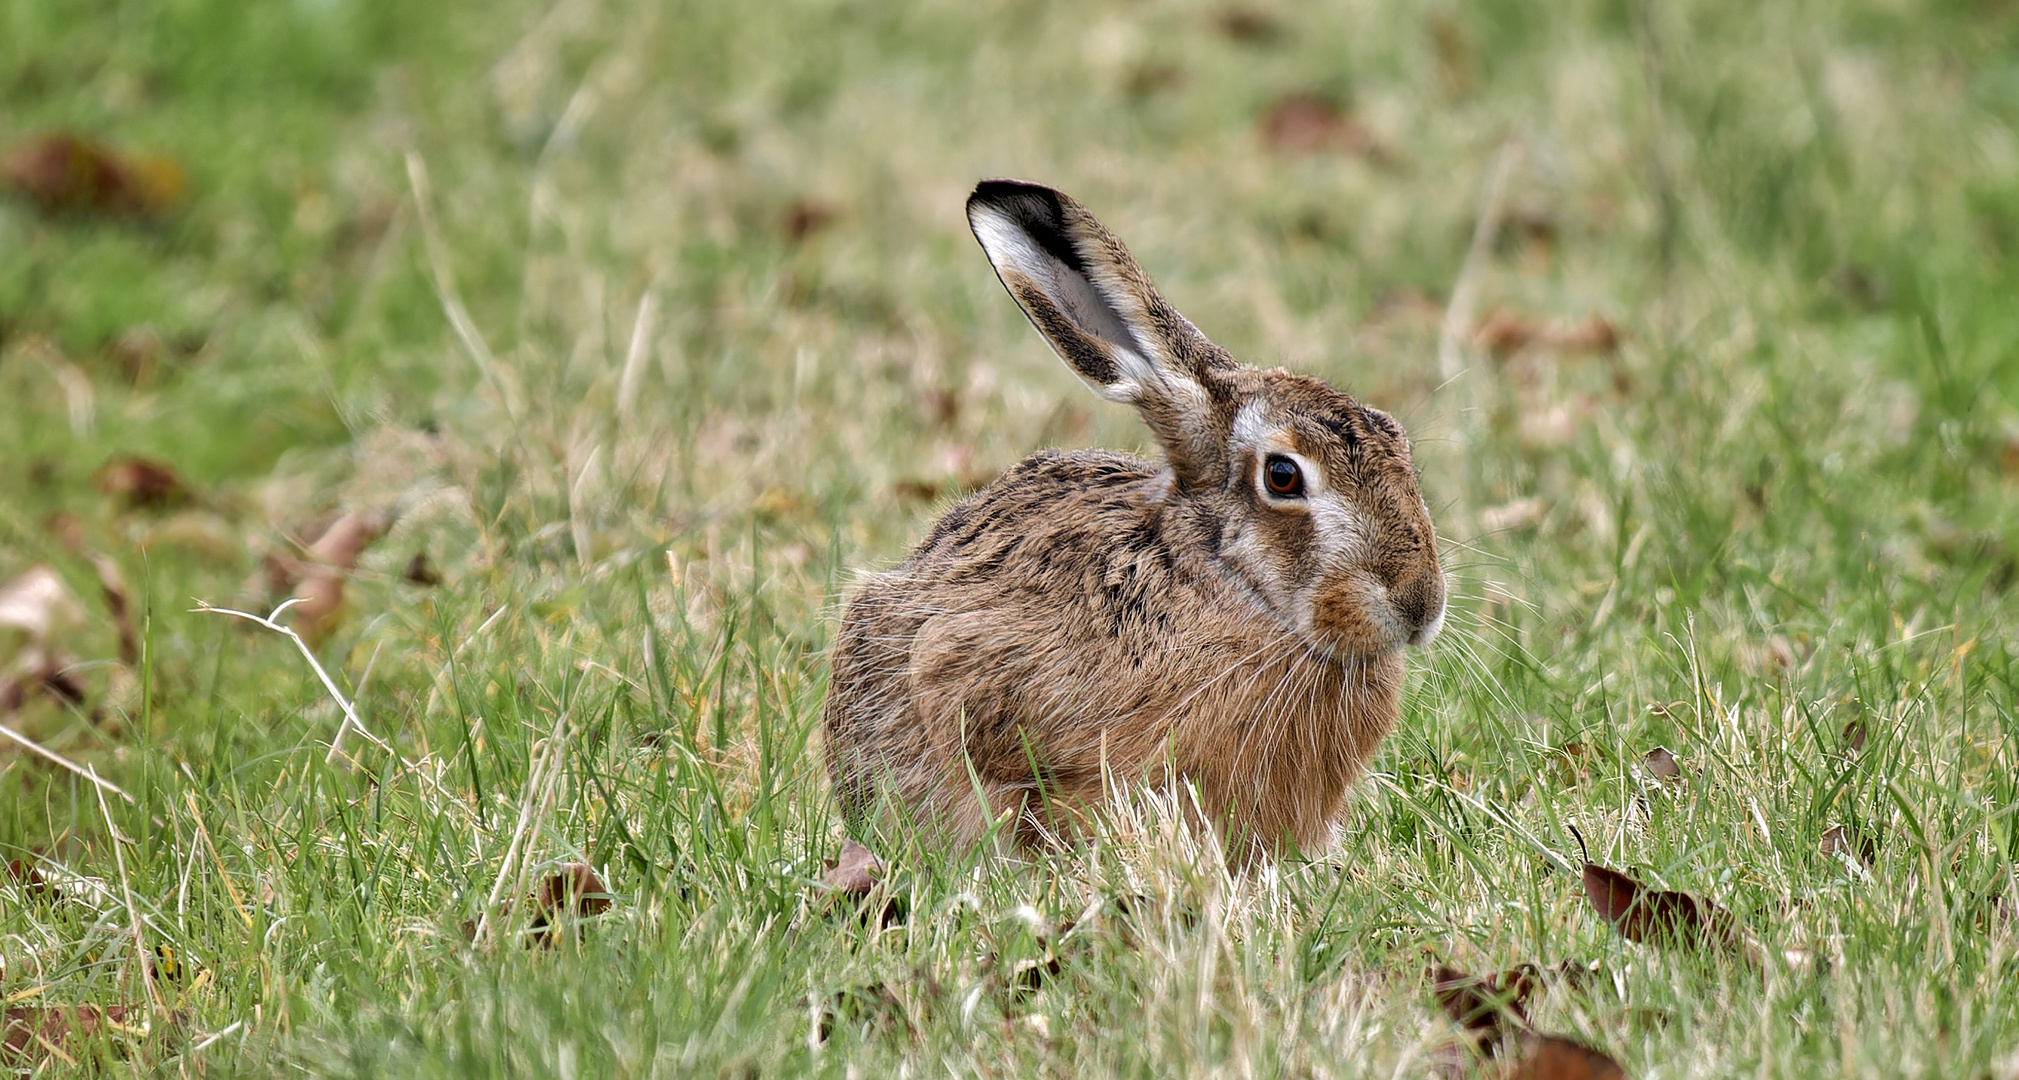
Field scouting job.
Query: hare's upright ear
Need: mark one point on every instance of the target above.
(1102, 316)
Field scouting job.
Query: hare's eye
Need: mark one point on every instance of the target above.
(1284, 478)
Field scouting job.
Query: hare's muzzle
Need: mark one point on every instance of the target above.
(1419, 605)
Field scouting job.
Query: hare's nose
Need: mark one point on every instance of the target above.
(1419, 604)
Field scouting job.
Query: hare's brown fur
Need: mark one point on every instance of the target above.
(1093, 615)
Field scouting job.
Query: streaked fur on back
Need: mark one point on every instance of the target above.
(1093, 614)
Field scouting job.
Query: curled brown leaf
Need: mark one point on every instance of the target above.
(1310, 123)
(855, 873)
(572, 891)
(142, 483)
(1505, 332)
(1489, 1007)
(1663, 917)
(1845, 841)
(65, 173)
(1661, 764)
(32, 1035)
(116, 602)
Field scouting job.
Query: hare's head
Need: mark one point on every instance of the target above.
(1309, 497)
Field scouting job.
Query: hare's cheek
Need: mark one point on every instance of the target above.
(1349, 613)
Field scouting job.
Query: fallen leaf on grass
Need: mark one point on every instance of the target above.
(855, 873)
(1661, 764)
(573, 891)
(28, 878)
(1493, 1011)
(38, 673)
(31, 1036)
(420, 571)
(1248, 25)
(64, 173)
(1843, 841)
(804, 218)
(38, 603)
(316, 577)
(853, 880)
(116, 601)
(1308, 123)
(1488, 1007)
(142, 484)
(1663, 917)
(1505, 332)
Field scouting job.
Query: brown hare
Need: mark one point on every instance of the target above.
(1231, 617)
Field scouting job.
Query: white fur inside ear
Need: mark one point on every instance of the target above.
(1015, 252)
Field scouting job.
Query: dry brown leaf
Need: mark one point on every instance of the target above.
(142, 484)
(1661, 764)
(1308, 123)
(1504, 332)
(120, 606)
(33, 1035)
(63, 173)
(573, 891)
(856, 873)
(852, 884)
(39, 604)
(1488, 1007)
(806, 217)
(1250, 26)
(1843, 841)
(421, 571)
(1662, 917)
(40, 673)
(28, 878)
(316, 577)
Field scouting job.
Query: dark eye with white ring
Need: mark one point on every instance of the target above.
(1282, 477)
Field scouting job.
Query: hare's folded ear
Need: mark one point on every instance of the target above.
(1098, 309)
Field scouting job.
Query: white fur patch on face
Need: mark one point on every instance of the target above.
(1342, 529)
(1254, 432)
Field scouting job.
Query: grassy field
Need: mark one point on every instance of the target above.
(650, 325)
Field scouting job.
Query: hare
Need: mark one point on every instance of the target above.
(1232, 617)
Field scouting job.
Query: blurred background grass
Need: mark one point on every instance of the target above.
(649, 324)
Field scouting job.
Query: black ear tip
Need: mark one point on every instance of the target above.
(1020, 199)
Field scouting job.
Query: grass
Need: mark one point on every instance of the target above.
(727, 342)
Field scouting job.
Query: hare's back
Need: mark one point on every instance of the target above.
(1045, 513)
